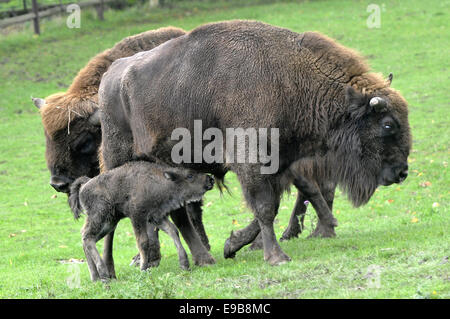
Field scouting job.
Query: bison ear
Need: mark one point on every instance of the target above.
(356, 102)
(389, 79)
(38, 102)
(171, 176)
(352, 96)
(94, 119)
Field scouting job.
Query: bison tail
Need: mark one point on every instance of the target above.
(74, 197)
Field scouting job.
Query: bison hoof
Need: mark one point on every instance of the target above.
(278, 259)
(136, 261)
(228, 249)
(257, 244)
(203, 260)
(324, 231)
(185, 265)
(290, 233)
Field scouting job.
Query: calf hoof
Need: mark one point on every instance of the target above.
(324, 230)
(277, 259)
(204, 260)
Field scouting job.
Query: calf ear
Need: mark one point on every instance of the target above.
(38, 102)
(94, 119)
(171, 176)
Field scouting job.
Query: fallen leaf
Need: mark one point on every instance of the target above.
(62, 246)
(208, 204)
(12, 235)
(425, 184)
(54, 196)
(390, 201)
(414, 220)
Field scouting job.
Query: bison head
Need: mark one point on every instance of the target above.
(373, 143)
(73, 136)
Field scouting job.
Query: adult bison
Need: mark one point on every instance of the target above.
(73, 135)
(245, 74)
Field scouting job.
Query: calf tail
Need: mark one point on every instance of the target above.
(74, 197)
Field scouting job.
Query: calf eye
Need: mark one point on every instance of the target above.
(190, 176)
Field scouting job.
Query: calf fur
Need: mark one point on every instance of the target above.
(143, 191)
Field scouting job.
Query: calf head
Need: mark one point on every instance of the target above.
(73, 136)
(189, 184)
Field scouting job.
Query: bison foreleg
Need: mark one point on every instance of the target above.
(172, 231)
(200, 254)
(195, 215)
(264, 200)
(327, 222)
(295, 227)
(240, 238)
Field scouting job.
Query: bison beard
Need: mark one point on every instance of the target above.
(252, 75)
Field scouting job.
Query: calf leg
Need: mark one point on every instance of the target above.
(92, 232)
(108, 254)
(200, 254)
(140, 231)
(172, 231)
(194, 211)
(154, 252)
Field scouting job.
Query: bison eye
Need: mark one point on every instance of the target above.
(388, 128)
(87, 147)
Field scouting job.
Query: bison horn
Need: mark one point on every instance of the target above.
(38, 102)
(94, 119)
(390, 77)
(379, 104)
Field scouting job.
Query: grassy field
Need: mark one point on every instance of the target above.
(397, 246)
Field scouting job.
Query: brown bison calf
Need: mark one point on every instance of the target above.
(143, 191)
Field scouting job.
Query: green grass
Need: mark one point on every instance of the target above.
(399, 231)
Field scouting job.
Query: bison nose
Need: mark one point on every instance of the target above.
(60, 185)
(402, 173)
